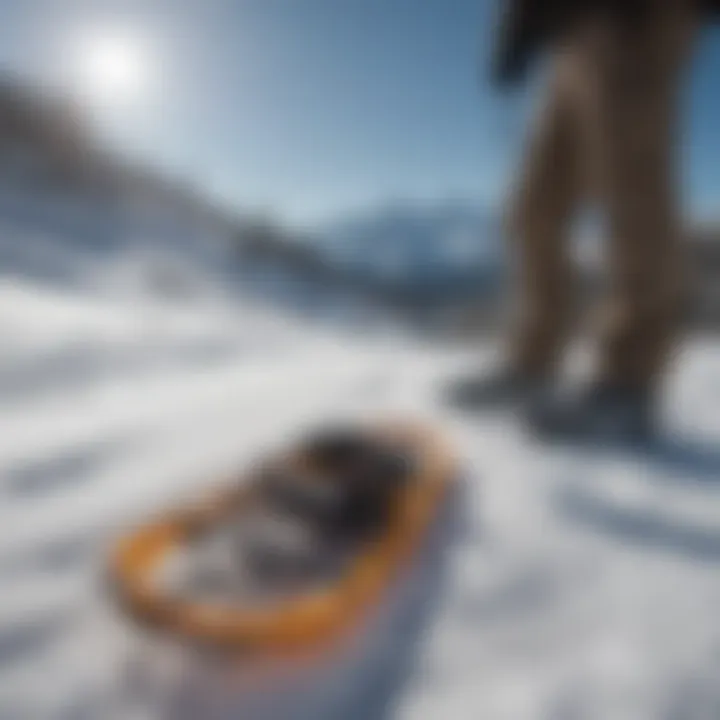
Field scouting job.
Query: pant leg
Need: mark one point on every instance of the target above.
(539, 223)
(635, 81)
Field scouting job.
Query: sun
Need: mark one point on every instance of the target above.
(111, 68)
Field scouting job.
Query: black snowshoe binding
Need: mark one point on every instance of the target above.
(341, 495)
(309, 515)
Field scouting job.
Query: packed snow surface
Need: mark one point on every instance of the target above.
(578, 583)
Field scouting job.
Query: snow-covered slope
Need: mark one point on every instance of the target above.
(111, 241)
(580, 584)
(418, 244)
(575, 584)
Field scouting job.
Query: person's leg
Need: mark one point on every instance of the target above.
(542, 209)
(538, 224)
(639, 81)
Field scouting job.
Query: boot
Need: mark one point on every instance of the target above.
(502, 386)
(604, 412)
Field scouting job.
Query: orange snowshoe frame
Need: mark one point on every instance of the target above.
(313, 617)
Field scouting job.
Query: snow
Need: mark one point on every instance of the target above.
(576, 584)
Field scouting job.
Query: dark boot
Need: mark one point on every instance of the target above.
(603, 413)
(501, 386)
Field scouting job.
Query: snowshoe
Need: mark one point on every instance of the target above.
(293, 554)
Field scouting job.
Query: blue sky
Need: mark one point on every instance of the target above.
(317, 108)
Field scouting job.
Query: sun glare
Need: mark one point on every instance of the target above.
(111, 68)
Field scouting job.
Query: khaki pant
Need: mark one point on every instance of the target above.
(607, 133)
